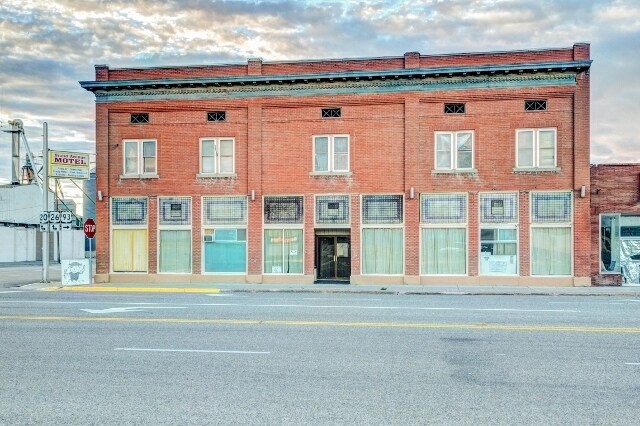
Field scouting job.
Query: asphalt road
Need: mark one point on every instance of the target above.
(288, 358)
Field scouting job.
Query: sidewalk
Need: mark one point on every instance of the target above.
(633, 291)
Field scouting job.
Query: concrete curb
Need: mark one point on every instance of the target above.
(345, 289)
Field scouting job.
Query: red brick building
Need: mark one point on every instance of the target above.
(615, 224)
(420, 169)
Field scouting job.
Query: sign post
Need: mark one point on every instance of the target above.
(90, 232)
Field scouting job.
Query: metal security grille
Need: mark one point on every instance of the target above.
(139, 118)
(216, 116)
(443, 208)
(332, 210)
(499, 208)
(535, 105)
(224, 210)
(381, 209)
(175, 211)
(128, 211)
(283, 209)
(454, 108)
(549, 207)
(331, 112)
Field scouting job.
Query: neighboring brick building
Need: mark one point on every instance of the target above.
(615, 224)
(420, 169)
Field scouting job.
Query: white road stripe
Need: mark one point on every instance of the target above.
(191, 350)
(632, 363)
(404, 308)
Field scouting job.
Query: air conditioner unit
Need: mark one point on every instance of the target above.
(207, 238)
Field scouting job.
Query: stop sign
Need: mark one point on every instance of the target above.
(89, 228)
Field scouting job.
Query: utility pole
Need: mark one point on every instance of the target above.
(45, 200)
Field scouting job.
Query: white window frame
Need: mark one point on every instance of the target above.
(567, 224)
(401, 226)
(208, 229)
(535, 155)
(453, 225)
(499, 225)
(453, 148)
(162, 227)
(217, 156)
(134, 227)
(140, 170)
(331, 168)
(331, 225)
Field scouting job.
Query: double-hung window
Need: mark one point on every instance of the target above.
(331, 153)
(140, 157)
(217, 156)
(536, 148)
(454, 150)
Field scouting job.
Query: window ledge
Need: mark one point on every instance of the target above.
(216, 176)
(144, 176)
(330, 174)
(454, 172)
(534, 170)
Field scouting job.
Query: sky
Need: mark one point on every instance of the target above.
(47, 46)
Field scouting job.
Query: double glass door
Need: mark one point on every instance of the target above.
(333, 258)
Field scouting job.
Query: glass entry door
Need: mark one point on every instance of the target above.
(333, 258)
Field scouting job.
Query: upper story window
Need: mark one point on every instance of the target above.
(331, 153)
(140, 157)
(217, 155)
(331, 112)
(454, 108)
(216, 116)
(536, 148)
(535, 105)
(454, 150)
(139, 118)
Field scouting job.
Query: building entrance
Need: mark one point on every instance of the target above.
(333, 257)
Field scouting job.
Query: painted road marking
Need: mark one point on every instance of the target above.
(406, 308)
(129, 309)
(191, 350)
(632, 363)
(135, 289)
(12, 291)
(258, 322)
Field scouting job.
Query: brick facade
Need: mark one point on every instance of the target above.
(391, 109)
(615, 190)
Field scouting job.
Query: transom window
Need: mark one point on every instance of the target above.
(174, 211)
(536, 147)
(443, 208)
(217, 155)
(128, 211)
(535, 105)
(332, 209)
(216, 116)
(454, 108)
(382, 209)
(283, 209)
(549, 207)
(499, 208)
(224, 210)
(331, 153)
(454, 150)
(331, 112)
(139, 118)
(140, 157)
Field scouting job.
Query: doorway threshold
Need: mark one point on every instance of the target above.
(330, 281)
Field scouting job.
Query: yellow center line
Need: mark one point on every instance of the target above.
(435, 326)
(115, 289)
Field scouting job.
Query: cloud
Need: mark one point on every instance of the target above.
(48, 46)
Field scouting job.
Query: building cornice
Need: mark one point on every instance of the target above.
(251, 84)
